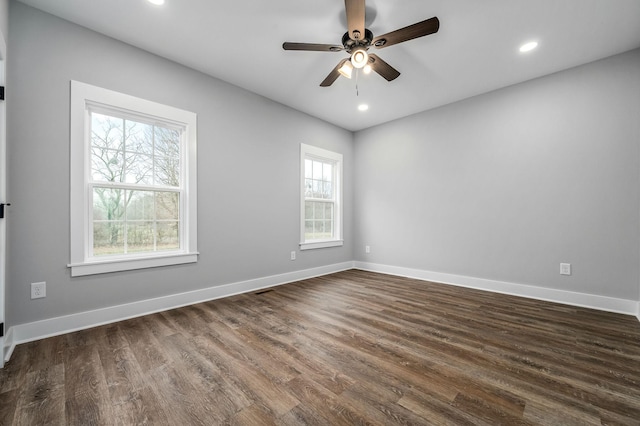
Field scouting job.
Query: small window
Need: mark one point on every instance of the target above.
(133, 182)
(321, 206)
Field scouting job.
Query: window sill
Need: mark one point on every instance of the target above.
(117, 265)
(321, 244)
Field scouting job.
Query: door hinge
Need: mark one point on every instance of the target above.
(1, 329)
(1, 93)
(2, 209)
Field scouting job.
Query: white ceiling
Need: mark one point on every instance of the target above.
(475, 51)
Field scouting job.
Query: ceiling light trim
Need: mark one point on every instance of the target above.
(529, 46)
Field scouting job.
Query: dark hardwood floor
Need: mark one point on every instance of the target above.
(348, 348)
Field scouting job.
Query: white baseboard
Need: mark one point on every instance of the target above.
(9, 345)
(603, 303)
(23, 333)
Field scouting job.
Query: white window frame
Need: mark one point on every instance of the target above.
(83, 97)
(313, 152)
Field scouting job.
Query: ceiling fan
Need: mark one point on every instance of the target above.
(357, 41)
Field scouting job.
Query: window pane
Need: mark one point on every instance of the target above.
(108, 204)
(308, 229)
(327, 172)
(308, 188)
(328, 229)
(318, 229)
(327, 192)
(308, 169)
(138, 137)
(167, 205)
(140, 205)
(167, 236)
(308, 210)
(317, 189)
(107, 138)
(167, 171)
(107, 132)
(108, 238)
(139, 168)
(167, 142)
(167, 151)
(328, 211)
(140, 236)
(317, 170)
(318, 210)
(107, 165)
(108, 221)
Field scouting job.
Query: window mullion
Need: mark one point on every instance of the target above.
(136, 186)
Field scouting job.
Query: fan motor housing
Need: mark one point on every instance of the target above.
(350, 44)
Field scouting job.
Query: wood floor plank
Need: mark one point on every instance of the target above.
(253, 415)
(353, 347)
(143, 343)
(8, 406)
(85, 386)
(142, 408)
(13, 375)
(122, 372)
(42, 398)
(204, 376)
(186, 404)
(327, 405)
(254, 382)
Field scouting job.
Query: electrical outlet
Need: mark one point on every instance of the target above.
(367, 249)
(38, 290)
(565, 269)
(293, 255)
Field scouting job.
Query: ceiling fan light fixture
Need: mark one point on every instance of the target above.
(359, 58)
(367, 69)
(346, 69)
(156, 2)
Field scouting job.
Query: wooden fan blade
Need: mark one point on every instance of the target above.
(416, 30)
(383, 68)
(333, 75)
(355, 18)
(312, 47)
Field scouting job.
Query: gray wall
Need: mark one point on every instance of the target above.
(248, 171)
(4, 19)
(507, 185)
(503, 186)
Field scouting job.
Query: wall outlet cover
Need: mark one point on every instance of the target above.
(38, 290)
(565, 269)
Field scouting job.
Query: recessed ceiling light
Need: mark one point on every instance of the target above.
(363, 107)
(156, 2)
(527, 47)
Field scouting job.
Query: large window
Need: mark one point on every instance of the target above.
(133, 182)
(321, 206)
